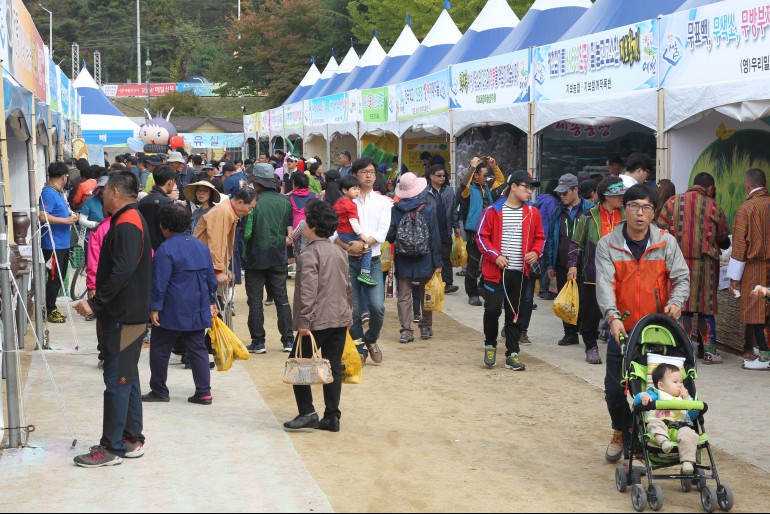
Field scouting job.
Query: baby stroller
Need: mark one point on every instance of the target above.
(661, 335)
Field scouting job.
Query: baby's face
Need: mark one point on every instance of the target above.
(672, 384)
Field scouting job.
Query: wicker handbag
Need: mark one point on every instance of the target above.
(307, 371)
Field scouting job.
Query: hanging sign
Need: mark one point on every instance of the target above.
(423, 97)
(329, 109)
(494, 81)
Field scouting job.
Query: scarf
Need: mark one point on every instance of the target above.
(476, 206)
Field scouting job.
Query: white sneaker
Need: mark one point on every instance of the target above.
(712, 358)
(756, 364)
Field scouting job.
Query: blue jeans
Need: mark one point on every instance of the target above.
(376, 297)
(366, 259)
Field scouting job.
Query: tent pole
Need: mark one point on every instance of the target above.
(358, 139)
(452, 149)
(662, 151)
(328, 149)
(38, 266)
(531, 138)
(400, 151)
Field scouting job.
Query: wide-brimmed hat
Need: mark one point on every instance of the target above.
(189, 191)
(264, 175)
(175, 157)
(410, 185)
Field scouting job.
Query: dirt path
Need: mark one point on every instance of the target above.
(431, 429)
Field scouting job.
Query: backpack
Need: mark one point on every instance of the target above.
(413, 235)
(297, 213)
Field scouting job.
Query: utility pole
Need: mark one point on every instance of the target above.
(148, 63)
(138, 45)
(75, 60)
(50, 31)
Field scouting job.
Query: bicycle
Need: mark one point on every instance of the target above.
(77, 262)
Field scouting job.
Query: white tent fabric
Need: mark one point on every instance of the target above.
(493, 24)
(101, 122)
(744, 100)
(516, 115)
(331, 68)
(373, 57)
(442, 37)
(545, 22)
(311, 77)
(348, 64)
(638, 106)
(404, 47)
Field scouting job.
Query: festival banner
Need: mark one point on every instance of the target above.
(197, 88)
(276, 119)
(374, 105)
(719, 42)
(263, 122)
(614, 61)
(23, 52)
(137, 90)
(494, 81)
(214, 140)
(423, 97)
(250, 123)
(53, 87)
(329, 109)
(64, 92)
(293, 115)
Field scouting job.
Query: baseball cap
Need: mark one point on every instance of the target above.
(208, 166)
(566, 182)
(155, 160)
(522, 176)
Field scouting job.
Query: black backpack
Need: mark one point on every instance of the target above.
(413, 235)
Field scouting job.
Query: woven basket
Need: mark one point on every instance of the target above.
(730, 331)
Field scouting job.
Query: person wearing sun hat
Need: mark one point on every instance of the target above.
(511, 240)
(204, 196)
(591, 226)
(414, 268)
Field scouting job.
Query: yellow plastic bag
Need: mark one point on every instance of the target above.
(385, 259)
(226, 345)
(459, 255)
(567, 304)
(351, 363)
(434, 294)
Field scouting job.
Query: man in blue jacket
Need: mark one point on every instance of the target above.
(182, 304)
(563, 223)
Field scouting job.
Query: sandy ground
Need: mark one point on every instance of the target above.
(432, 429)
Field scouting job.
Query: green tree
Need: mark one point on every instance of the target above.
(184, 104)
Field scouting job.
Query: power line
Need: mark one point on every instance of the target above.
(149, 36)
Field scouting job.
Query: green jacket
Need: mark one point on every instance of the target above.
(586, 236)
(267, 227)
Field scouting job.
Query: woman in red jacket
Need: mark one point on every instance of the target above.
(511, 241)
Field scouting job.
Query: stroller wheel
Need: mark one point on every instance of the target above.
(708, 498)
(655, 497)
(725, 497)
(686, 485)
(621, 479)
(638, 498)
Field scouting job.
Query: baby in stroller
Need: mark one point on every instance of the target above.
(668, 384)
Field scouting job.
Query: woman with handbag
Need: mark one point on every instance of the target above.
(319, 316)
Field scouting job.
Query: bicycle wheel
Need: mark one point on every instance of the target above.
(78, 287)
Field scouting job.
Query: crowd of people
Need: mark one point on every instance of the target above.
(169, 261)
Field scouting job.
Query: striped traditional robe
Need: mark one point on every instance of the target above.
(751, 244)
(697, 223)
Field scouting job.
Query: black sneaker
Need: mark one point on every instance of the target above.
(152, 397)
(406, 337)
(331, 424)
(306, 421)
(200, 400)
(426, 333)
(475, 301)
(569, 340)
(97, 457)
(451, 288)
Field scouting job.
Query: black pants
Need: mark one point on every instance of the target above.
(331, 342)
(561, 281)
(590, 316)
(274, 280)
(473, 270)
(615, 394)
(122, 345)
(54, 278)
(446, 252)
(506, 295)
(758, 331)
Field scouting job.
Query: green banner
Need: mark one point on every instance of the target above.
(375, 104)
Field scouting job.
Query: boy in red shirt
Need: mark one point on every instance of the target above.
(349, 229)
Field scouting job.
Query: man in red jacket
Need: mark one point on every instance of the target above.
(511, 241)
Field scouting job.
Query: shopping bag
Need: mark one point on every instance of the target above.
(311, 370)
(566, 304)
(434, 294)
(385, 259)
(351, 363)
(226, 345)
(459, 255)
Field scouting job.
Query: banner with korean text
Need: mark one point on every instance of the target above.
(22, 50)
(614, 61)
(423, 97)
(214, 140)
(378, 105)
(329, 109)
(719, 42)
(494, 81)
(293, 115)
(276, 119)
